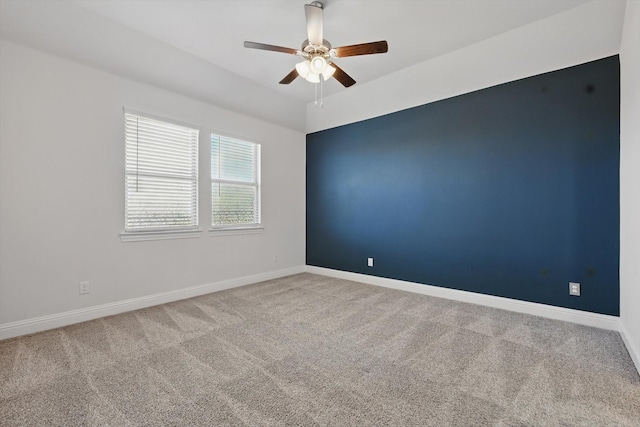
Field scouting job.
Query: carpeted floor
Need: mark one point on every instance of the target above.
(312, 350)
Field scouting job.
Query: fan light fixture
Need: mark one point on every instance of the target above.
(313, 68)
(317, 64)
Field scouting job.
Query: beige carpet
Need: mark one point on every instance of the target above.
(311, 350)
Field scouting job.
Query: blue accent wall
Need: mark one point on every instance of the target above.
(510, 191)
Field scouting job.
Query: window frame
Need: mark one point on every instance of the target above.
(235, 229)
(170, 232)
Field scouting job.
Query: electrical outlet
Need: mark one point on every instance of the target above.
(574, 289)
(84, 288)
(274, 258)
(370, 262)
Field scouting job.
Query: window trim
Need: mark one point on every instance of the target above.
(143, 236)
(218, 231)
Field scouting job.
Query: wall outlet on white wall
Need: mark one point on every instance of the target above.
(370, 262)
(84, 287)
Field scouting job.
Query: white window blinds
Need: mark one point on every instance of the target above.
(235, 182)
(161, 175)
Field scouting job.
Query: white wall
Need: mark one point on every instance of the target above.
(69, 31)
(579, 35)
(62, 182)
(630, 180)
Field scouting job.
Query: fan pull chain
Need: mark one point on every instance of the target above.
(315, 89)
(316, 93)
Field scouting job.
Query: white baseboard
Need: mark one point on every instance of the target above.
(38, 324)
(558, 313)
(634, 351)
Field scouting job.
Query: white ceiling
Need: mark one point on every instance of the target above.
(415, 30)
(196, 46)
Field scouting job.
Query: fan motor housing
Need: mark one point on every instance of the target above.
(312, 50)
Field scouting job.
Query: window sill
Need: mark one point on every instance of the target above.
(231, 231)
(142, 236)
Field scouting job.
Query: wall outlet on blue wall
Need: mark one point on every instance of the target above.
(370, 262)
(574, 289)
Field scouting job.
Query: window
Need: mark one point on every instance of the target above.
(161, 175)
(235, 182)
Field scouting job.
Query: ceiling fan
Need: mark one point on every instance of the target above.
(317, 52)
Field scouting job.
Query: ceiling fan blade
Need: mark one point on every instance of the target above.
(262, 46)
(313, 13)
(362, 49)
(344, 78)
(289, 77)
